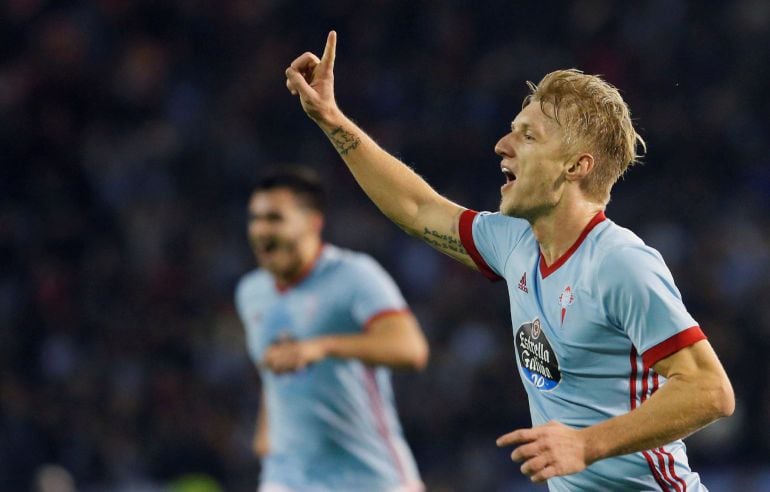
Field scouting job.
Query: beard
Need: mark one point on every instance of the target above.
(277, 255)
(528, 212)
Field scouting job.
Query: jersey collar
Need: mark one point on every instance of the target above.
(546, 270)
(283, 288)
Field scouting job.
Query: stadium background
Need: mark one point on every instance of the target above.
(129, 134)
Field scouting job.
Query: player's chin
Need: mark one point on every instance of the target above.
(507, 208)
(272, 262)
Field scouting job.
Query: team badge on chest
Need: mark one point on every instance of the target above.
(565, 300)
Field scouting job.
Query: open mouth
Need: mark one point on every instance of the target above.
(268, 245)
(509, 176)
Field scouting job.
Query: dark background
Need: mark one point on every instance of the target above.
(130, 132)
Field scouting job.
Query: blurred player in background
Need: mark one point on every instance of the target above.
(616, 369)
(323, 325)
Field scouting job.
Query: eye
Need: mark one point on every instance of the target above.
(529, 137)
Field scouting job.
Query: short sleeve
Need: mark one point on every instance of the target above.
(639, 296)
(240, 299)
(374, 292)
(489, 239)
(245, 293)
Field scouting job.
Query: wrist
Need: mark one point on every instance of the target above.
(331, 119)
(592, 444)
(324, 347)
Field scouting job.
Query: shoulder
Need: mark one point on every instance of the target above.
(495, 221)
(347, 261)
(621, 256)
(358, 274)
(493, 230)
(255, 281)
(618, 245)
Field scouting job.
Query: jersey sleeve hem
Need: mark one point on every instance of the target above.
(384, 314)
(673, 344)
(466, 237)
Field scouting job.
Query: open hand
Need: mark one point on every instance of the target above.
(547, 451)
(313, 80)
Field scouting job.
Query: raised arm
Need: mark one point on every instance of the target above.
(398, 192)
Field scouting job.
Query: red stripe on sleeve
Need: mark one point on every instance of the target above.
(674, 344)
(466, 237)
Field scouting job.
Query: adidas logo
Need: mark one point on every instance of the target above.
(523, 283)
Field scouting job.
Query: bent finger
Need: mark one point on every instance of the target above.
(305, 62)
(544, 474)
(291, 88)
(533, 466)
(525, 451)
(295, 81)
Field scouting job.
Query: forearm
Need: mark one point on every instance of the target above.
(396, 190)
(261, 441)
(410, 353)
(676, 410)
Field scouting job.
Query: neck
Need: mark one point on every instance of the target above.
(557, 231)
(308, 254)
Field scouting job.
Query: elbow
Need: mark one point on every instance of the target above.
(727, 406)
(722, 399)
(418, 360)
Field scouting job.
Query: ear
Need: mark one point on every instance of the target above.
(317, 222)
(579, 167)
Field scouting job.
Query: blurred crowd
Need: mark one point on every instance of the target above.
(130, 131)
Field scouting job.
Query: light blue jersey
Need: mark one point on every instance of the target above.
(332, 426)
(587, 331)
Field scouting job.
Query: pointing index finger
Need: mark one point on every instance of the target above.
(330, 52)
(516, 437)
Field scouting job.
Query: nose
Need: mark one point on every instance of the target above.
(258, 227)
(503, 147)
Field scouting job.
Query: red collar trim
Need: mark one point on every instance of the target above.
(282, 288)
(546, 270)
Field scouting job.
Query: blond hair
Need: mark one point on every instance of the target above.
(595, 119)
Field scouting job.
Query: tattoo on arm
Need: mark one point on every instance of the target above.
(443, 242)
(343, 140)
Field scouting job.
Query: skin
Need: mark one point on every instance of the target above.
(548, 194)
(546, 190)
(260, 444)
(697, 392)
(394, 340)
(285, 236)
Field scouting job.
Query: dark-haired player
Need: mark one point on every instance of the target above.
(324, 325)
